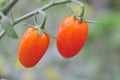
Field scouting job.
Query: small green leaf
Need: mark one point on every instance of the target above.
(75, 9)
(2, 3)
(8, 27)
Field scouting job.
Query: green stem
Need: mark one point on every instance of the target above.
(42, 26)
(35, 20)
(44, 19)
(4, 12)
(6, 9)
(42, 9)
(8, 6)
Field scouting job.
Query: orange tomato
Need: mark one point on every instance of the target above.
(71, 36)
(32, 47)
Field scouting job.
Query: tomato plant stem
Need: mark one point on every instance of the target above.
(8, 6)
(44, 19)
(42, 26)
(6, 9)
(52, 3)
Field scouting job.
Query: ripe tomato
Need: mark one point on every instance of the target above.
(32, 47)
(71, 36)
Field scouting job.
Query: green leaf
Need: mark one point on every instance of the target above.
(2, 3)
(75, 9)
(8, 27)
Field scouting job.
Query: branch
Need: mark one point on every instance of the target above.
(51, 4)
(5, 11)
(8, 6)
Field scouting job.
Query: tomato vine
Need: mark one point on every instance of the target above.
(5, 9)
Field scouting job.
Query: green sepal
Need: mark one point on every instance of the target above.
(8, 27)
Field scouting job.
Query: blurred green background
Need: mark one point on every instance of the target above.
(99, 59)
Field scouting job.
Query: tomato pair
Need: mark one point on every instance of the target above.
(71, 37)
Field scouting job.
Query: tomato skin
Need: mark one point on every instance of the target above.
(32, 47)
(71, 36)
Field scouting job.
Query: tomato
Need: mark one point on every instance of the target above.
(32, 47)
(71, 36)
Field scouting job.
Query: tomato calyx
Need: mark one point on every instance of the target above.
(79, 18)
(43, 30)
(82, 20)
